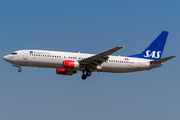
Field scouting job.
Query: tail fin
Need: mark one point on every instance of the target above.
(155, 50)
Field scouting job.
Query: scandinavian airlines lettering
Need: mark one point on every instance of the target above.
(153, 54)
(45, 53)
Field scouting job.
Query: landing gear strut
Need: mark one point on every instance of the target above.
(19, 70)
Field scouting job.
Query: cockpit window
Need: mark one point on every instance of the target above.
(13, 53)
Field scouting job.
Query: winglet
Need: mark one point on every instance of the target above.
(162, 60)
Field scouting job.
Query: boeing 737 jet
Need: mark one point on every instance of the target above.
(68, 63)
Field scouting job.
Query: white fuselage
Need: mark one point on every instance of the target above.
(54, 59)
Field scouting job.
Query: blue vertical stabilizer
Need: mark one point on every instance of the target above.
(155, 49)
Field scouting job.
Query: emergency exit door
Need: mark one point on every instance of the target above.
(25, 54)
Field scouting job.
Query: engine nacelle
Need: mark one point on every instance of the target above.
(70, 64)
(65, 72)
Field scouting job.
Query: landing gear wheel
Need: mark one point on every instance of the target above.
(19, 70)
(84, 77)
(88, 73)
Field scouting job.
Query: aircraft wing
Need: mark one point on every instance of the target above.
(99, 58)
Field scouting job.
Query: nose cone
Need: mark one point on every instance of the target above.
(5, 58)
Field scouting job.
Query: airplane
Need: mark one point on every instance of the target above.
(68, 63)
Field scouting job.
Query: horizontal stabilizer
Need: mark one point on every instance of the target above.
(162, 60)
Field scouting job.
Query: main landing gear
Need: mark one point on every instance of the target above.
(84, 76)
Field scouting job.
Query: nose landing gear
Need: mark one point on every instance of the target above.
(19, 70)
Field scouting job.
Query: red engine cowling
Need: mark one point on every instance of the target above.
(70, 64)
(65, 72)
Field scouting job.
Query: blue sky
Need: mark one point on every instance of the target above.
(90, 27)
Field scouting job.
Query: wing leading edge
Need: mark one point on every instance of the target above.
(99, 58)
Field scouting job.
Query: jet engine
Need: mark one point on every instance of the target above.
(70, 64)
(64, 72)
